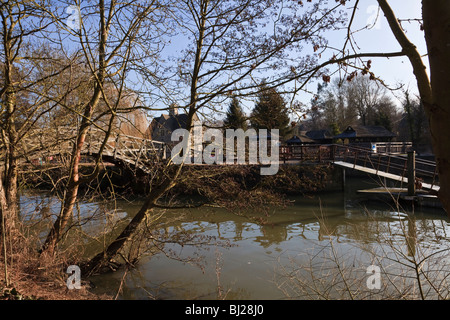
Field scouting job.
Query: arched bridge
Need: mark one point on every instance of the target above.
(390, 160)
(136, 152)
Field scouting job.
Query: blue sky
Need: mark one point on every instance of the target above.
(381, 39)
(377, 39)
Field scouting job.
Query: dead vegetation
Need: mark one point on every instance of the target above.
(32, 276)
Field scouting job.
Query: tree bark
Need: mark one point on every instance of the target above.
(12, 165)
(70, 197)
(433, 92)
(9, 98)
(436, 22)
(5, 213)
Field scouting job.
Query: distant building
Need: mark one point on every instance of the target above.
(302, 137)
(361, 134)
(320, 136)
(300, 140)
(132, 122)
(161, 128)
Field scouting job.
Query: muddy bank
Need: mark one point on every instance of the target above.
(290, 179)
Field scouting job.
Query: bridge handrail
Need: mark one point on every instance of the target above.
(383, 161)
(44, 143)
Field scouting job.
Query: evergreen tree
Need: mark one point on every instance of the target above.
(235, 117)
(270, 112)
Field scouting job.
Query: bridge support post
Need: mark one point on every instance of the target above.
(343, 179)
(164, 152)
(411, 173)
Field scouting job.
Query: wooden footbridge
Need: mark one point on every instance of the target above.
(393, 161)
(135, 152)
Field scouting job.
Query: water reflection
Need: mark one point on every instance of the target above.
(248, 268)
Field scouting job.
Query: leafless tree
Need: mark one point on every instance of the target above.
(431, 84)
(107, 37)
(218, 61)
(20, 72)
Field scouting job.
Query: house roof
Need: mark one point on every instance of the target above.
(319, 135)
(365, 132)
(299, 140)
(172, 122)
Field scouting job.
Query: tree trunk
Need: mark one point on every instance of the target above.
(5, 213)
(4, 228)
(70, 197)
(11, 165)
(433, 92)
(69, 201)
(436, 19)
(103, 258)
(10, 183)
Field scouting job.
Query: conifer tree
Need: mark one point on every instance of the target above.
(270, 112)
(235, 117)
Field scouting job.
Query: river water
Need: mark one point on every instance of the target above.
(296, 247)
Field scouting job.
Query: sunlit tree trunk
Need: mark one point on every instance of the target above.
(70, 198)
(9, 134)
(436, 20)
(434, 90)
(73, 185)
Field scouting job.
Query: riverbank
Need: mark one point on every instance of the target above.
(28, 287)
(255, 247)
(291, 179)
(29, 275)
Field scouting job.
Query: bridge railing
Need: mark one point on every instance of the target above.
(127, 148)
(385, 147)
(48, 143)
(314, 153)
(394, 163)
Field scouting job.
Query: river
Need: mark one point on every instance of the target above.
(296, 247)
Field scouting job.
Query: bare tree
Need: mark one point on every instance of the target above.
(218, 62)
(22, 74)
(360, 101)
(107, 38)
(431, 85)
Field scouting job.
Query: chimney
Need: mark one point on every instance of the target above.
(173, 109)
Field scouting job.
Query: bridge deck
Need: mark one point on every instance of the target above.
(383, 174)
(387, 160)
